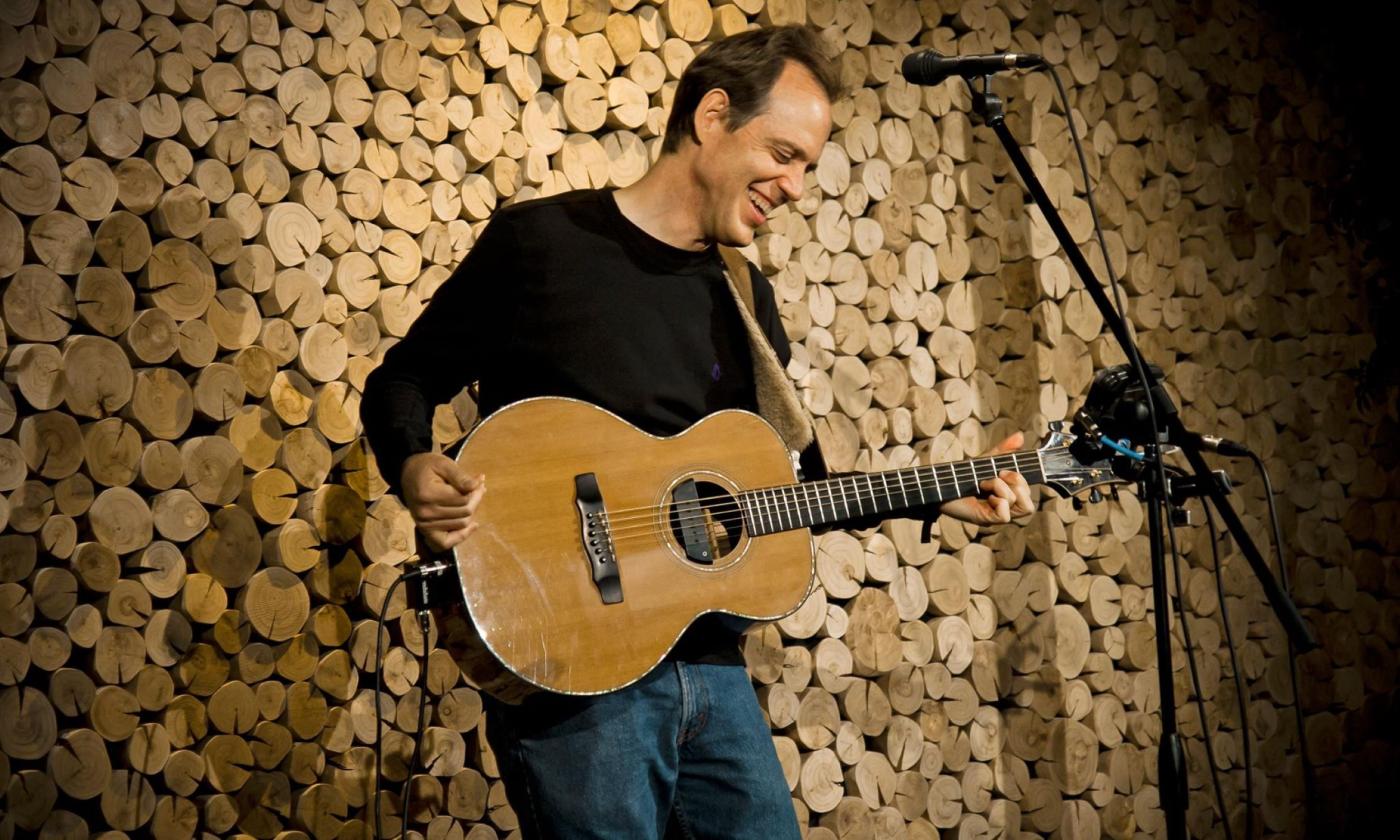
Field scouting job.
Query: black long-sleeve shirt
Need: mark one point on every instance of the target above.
(564, 296)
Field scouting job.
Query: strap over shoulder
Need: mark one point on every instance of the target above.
(778, 402)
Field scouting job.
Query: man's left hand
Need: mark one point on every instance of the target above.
(1007, 495)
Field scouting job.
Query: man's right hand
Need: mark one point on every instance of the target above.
(441, 497)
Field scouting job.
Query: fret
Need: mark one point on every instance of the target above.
(804, 504)
(772, 509)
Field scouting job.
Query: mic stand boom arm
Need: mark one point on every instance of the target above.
(990, 107)
(1171, 758)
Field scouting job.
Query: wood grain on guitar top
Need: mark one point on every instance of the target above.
(525, 575)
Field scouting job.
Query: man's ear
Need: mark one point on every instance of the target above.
(712, 114)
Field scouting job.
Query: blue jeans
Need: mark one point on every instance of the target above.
(684, 752)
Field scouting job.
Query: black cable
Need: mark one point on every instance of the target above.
(1130, 350)
(1195, 678)
(1241, 689)
(379, 718)
(418, 735)
(1309, 789)
(1089, 196)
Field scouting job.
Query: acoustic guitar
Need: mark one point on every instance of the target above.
(598, 544)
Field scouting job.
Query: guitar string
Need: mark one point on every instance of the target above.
(779, 508)
(734, 515)
(732, 518)
(789, 504)
(970, 465)
(844, 491)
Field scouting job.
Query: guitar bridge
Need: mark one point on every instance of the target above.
(597, 538)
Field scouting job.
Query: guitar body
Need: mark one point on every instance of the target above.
(526, 576)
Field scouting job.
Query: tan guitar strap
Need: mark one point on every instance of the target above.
(778, 402)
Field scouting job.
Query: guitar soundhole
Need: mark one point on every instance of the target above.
(706, 521)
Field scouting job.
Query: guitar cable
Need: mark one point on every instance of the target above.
(421, 596)
(417, 735)
(378, 714)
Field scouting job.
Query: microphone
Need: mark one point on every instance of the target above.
(931, 67)
(1224, 446)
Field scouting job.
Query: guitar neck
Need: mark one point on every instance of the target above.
(769, 510)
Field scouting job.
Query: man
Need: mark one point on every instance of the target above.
(620, 299)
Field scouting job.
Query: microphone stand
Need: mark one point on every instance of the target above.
(1171, 758)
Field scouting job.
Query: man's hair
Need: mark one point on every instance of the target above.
(745, 66)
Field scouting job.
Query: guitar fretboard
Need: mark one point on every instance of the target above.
(769, 510)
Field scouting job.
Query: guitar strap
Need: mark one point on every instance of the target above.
(778, 402)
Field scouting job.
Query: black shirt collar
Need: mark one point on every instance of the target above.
(652, 253)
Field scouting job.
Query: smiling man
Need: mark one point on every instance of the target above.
(620, 298)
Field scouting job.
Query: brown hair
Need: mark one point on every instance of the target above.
(745, 66)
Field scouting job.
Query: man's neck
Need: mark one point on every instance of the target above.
(665, 203)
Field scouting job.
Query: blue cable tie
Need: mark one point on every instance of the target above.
(1121, 447)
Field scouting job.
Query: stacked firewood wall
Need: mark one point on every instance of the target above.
(215, 217)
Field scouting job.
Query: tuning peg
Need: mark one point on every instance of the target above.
(1095, 496)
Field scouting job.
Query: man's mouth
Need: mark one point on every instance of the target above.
(761, 204)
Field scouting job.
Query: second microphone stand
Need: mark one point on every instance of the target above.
(1171, 761)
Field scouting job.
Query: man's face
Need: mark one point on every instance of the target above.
(746, 173)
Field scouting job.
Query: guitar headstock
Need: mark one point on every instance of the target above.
(1072, 469)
